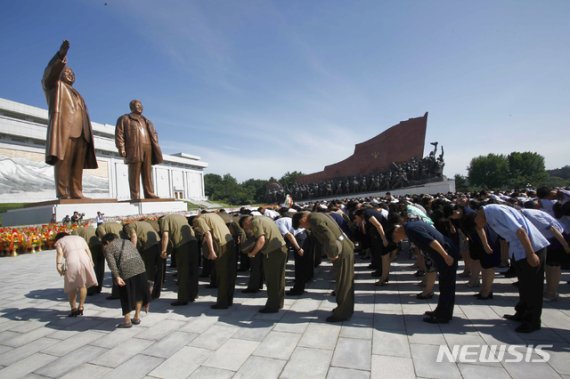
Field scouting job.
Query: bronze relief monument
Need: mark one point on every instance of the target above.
(69, 141)
(137, 142)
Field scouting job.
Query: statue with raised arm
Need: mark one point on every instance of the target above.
(137, 141)
(69, 141)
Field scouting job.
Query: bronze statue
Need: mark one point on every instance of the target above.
(137, 141)
(69, 141)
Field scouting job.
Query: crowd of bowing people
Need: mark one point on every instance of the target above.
(526, 232)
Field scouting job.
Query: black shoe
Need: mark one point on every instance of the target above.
(516, 284)
(333, 293)
(514, 317)
(421, 296)
(219, 306)
(419, 273)
(179, 303)
(265, 310)
(429, 313)
(335, 319)
(527, 328)
(249, 290)
(488, 297)
(294, 292)
(434, 319)
(74, 312)
(371, 265)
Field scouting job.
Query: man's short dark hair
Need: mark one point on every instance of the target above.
(297, 218)
(109, 237)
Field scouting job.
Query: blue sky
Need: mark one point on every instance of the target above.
(258, 88)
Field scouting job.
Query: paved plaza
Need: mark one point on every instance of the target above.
(386, 337)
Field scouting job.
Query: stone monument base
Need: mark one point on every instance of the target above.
(42, 213)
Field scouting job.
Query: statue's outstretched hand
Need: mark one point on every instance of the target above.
(63, 48)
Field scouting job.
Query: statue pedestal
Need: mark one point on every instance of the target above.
(42, 213)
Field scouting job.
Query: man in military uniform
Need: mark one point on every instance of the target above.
(175, 228)
(90, 236)
(218, 245)
(271, 244)
(340, 250)
(147, 241)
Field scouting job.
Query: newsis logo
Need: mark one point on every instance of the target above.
(493, 353)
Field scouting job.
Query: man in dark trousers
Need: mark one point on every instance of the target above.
(175, 228)
(269, 243)
(443, 253)
(219, 246)
(527, 247)
(340, 250)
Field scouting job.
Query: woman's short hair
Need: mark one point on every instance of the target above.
(60, 235)
(109, 237)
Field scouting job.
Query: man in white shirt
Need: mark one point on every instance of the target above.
(527, 248)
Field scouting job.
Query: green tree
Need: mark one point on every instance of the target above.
(489, 172)
(289, 178)
(257, 188)
(526, 168)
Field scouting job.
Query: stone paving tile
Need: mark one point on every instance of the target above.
(559, 361)
(158, 330)
(211, 373)
(62, 365)
(122, 353)
(136, 367)
(116, 337)
(321, 336)
(16, 354)
(392, 367)
(390, 343)
(214, 337)
(73, 343)
(293, 322)
(253, 330)
(170, 344)
(426, 365)
(26, 365)
(530, 370)
(8, 336)
(278, 345)
(389, 320)
(89, 371)
(232, 354)
(356, 328)
(469, 371)
(182, 363)
(260, 368)
(27, 326)
(343, 373)
(199, 324)
(352, 353)
(307, 363)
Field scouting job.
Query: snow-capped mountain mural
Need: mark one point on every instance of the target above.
(25, 176)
